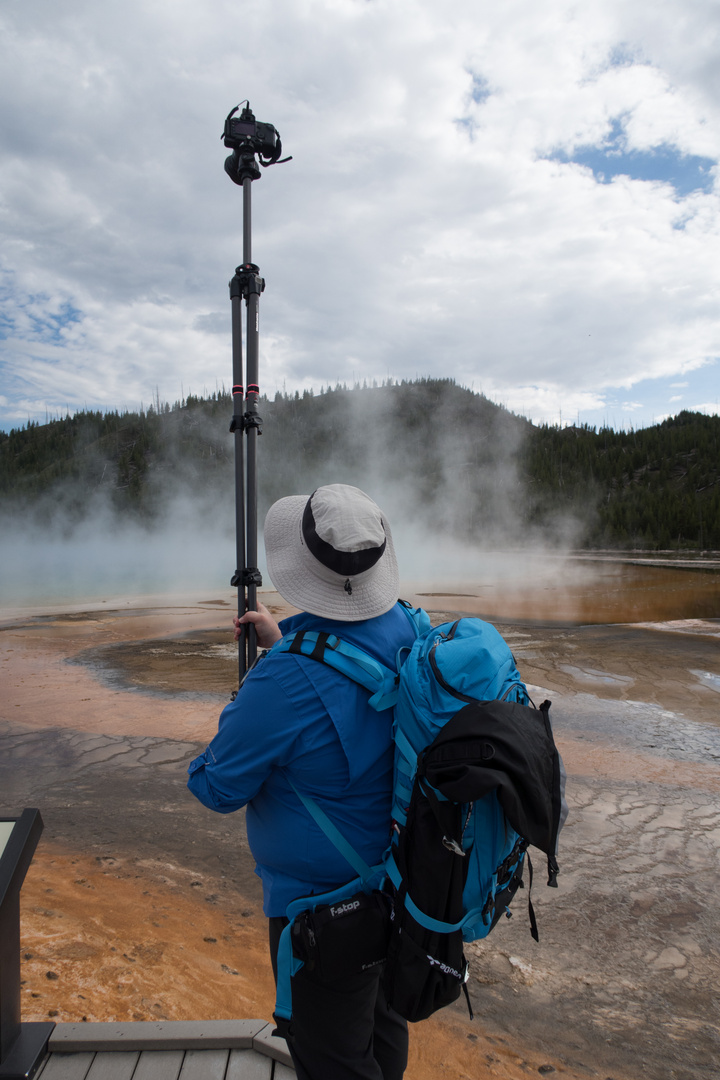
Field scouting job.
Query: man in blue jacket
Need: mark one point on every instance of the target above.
(332, 556)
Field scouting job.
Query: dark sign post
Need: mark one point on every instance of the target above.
(22, 1046)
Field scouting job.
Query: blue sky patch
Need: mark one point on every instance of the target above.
(651, 400)
(50, 325)
(623, 55)
(479, 93)
(686, 172)
(480, 90)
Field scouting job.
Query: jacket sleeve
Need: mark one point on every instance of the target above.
(256, 733)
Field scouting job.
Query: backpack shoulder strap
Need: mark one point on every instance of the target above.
(349, 660)
(417, 616)
(354, 662)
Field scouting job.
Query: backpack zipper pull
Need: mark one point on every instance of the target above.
(452, 845)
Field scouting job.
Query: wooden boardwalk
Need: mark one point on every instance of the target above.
(196, 1050)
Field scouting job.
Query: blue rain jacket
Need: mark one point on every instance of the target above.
(297, 717)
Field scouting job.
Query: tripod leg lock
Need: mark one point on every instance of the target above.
(244, 423)
(249, 575)
(252, 420)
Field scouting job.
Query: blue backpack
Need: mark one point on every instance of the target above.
(477, 779)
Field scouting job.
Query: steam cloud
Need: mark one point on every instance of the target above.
(447, 481)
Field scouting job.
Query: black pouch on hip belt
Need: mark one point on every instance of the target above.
(344, 938)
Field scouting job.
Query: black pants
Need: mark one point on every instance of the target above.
(344, 1029)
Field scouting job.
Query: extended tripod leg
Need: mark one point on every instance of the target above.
(248, 285)
(237, 427)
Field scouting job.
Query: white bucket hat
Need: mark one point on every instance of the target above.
(332, 554)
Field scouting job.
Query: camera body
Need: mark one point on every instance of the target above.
(247, 137)
(263, 138)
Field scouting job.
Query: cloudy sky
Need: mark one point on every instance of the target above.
(523, 196)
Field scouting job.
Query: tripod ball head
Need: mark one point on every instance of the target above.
(241, 164)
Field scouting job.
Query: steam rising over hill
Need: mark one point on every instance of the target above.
(149, 497)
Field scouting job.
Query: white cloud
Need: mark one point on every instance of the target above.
(416, 231)
(711, 408)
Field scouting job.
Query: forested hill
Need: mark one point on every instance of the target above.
(428, 450)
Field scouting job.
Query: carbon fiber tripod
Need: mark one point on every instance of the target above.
(251, 142)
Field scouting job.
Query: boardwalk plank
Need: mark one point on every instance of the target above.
(167, 1050)
(204, 1065)
(114, 1065)
(68, 1066)
(157, 1035)
(159, 1065)
(248, 1065)
(272, 1045)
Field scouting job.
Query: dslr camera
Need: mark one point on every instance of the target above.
(246, 137)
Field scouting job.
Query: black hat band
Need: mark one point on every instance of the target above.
(344, 563)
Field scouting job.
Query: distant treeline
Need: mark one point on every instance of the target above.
(442, 453)
(657, 488)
